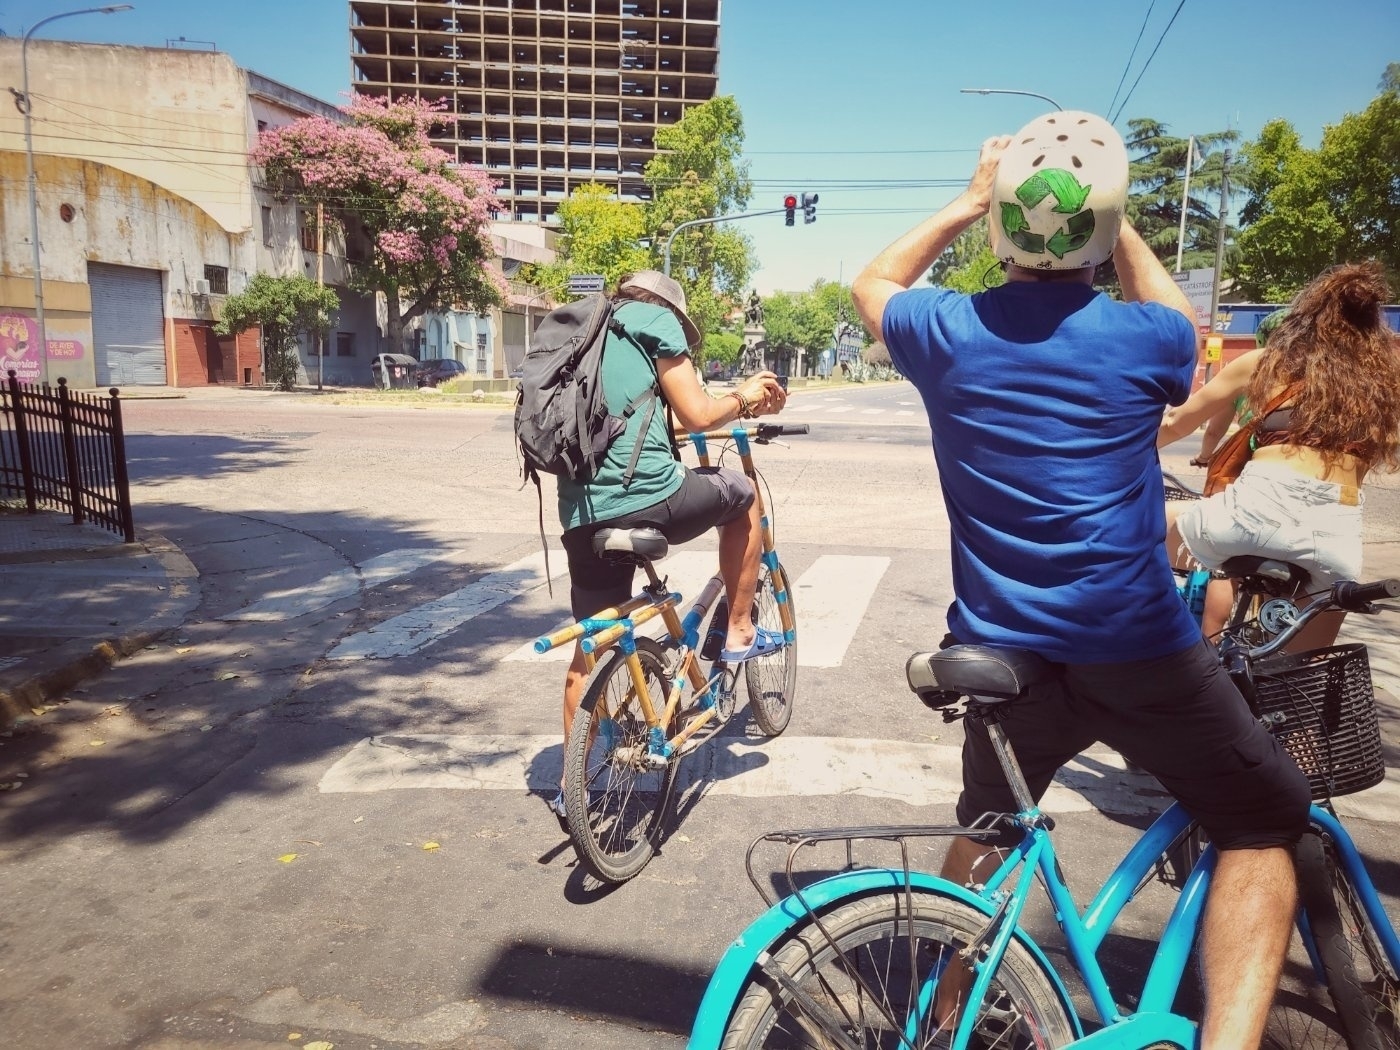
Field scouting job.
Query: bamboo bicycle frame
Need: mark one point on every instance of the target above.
(616, 626)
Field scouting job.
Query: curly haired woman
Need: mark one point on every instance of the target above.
(1299, 498)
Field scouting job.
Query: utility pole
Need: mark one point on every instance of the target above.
(320, 284)
(1185, 203)
(1219, 245)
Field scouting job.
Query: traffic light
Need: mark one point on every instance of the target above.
(809, 207)
(790, 203)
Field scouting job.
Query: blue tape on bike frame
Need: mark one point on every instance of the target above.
(622, 643)
(777, 923)
(702, 447)
(770, 559)
(657, 744)
(741, 441)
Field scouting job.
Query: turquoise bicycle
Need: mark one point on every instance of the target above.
(853, 961)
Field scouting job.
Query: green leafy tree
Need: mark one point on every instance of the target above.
(599, 234)
(724, 348)
(806, 321)
(1156, 179)
(697, 173)
(1309, 209)
(286, 308)
(968, 265)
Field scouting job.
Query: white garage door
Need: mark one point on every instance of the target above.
(128, 325)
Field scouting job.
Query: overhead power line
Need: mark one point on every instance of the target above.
(1129, 64)
(1124, 104)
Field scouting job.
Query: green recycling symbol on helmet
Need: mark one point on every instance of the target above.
(1069, 200)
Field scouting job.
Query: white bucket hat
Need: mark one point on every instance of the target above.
(669, 291)
(1060, 191)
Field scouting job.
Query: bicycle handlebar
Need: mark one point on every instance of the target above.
(761, 433)
(1345, 595)
(1353, 596)
(768, 431)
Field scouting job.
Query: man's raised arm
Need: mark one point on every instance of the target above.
(906, 260)
(1142, 276)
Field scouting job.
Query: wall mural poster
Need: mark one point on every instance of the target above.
(19, 348)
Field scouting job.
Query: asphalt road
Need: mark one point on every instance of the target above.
(316, 812)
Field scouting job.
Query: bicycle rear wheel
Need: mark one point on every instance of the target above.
(616, 795)
(772, 679)
(874, 978)
(1363, 985)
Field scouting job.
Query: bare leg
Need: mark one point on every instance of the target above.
(1220, 599)
(1321, 632)
(1249, 917)
(739, 543)
(574, 681)
(963, 856)
(1177, 553)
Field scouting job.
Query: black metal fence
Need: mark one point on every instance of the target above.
(65, 451)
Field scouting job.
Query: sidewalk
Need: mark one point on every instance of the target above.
(74, 599)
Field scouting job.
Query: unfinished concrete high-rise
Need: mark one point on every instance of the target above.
(546, 95)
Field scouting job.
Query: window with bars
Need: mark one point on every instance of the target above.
(217, 276)
(481, 354)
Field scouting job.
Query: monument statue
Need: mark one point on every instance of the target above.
(754, 314)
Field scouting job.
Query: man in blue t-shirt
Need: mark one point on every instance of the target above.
(1044, 398)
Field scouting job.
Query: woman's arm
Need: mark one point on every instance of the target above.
(697, 411)
(1212, 398)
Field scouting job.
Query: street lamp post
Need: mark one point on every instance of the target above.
(33, 181)
(1008, 91)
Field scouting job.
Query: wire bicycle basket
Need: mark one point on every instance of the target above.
(1321, 706)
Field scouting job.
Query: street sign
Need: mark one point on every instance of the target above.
(1197, 285)
(585, 283)
(1214, 348)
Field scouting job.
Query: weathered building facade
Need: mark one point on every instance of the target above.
(149, 216)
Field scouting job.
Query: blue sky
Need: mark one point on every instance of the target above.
(861, 102)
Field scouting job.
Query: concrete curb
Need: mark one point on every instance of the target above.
(82, 660)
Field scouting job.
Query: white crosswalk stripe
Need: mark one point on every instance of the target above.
(915, 773)
(831, 597)
(684, 571)
(286, 605)
(405, 634)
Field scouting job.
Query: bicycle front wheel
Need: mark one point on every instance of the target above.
(871, 977)
(616, 791)
(772, 679)
(1360, 979)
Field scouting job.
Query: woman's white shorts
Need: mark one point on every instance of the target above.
(1272, 511)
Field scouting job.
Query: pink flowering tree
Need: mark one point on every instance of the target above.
(425, 217)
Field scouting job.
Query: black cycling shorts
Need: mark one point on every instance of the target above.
(1179, 717)
(708, 496)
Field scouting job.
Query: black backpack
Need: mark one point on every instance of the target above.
(562, 422)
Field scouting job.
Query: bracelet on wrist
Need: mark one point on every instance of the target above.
(744, 411)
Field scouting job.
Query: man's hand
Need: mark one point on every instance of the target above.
(764, 394)
(979, 188)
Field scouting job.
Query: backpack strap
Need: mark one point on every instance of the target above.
(653, 394)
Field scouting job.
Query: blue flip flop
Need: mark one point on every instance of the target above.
(765, 643)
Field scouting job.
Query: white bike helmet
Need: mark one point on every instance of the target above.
(1059, 194)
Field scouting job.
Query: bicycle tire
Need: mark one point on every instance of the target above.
(615, 802)
(772, 680)
(1023, 1007)
(1363, 986)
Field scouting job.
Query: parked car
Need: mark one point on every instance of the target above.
(437, 370)
(393, 371)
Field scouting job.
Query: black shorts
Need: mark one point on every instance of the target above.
(708, 496)
(1179, 717)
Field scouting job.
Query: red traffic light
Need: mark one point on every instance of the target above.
(789, 201)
